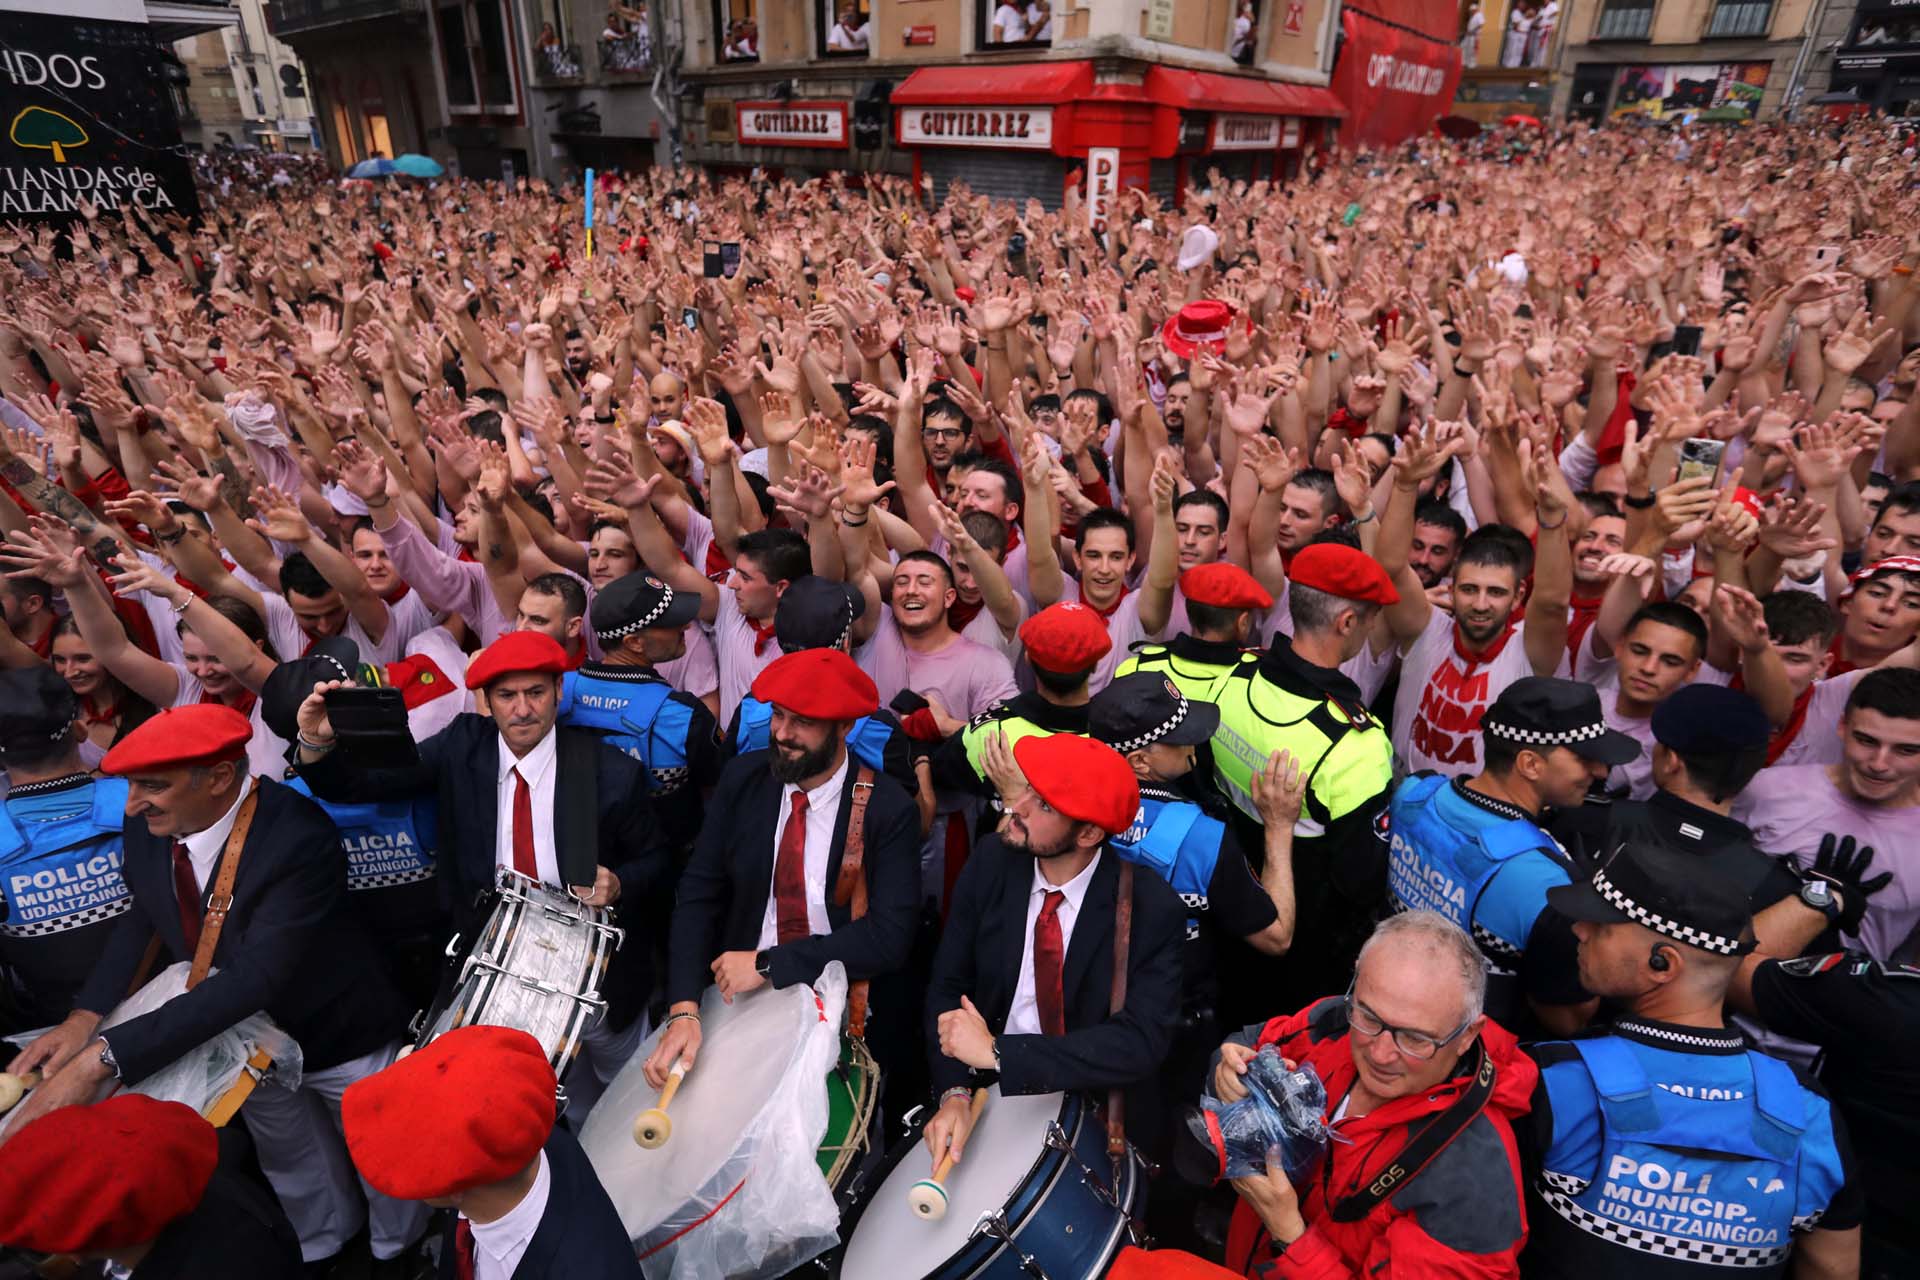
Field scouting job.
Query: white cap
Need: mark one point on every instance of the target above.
(1197, 246)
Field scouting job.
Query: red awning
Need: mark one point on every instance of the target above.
(1028, 83)
(1238, 95)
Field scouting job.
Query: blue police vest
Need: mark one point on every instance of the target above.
(1707, 1158)
(64, 873)
(387, 842)
(1179, 843)
(640, 717)
(867, 739)
(1445, 852)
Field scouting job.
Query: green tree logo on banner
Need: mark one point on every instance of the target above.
(40, 129)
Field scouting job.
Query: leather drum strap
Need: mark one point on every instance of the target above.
(850, 889)
(221, 901)
(1117, 1001)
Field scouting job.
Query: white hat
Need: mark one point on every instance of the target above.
(1197, 246)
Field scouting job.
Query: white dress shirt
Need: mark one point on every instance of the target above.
(204, 847)
(538, 767)
(499, 1245)
(1024, 1018)
(823, 810)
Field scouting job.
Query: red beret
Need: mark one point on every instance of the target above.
(1342, 571)
(199, 733)
(820, 684)
(1064, 638)
(1224, 585)
(1086, 780)
(106, 1176)
(473, 1107)
(515, 653)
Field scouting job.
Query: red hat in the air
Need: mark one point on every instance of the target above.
(200, 733)
(820, 684)
(1064, 638)
(516, 653)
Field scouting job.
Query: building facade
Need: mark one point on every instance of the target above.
(1870, 50)
(598, 71)
(1701, 60)
(1015, 99)
(244, 87)
(370, 75)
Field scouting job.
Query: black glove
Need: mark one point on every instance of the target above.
(1844, 865)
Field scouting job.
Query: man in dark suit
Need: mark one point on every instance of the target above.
(289, 946)
(137, 1182)
(556, 804)
(758, 902)
(1022, 984)
(467, 1124)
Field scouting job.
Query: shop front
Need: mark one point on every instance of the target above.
(1887, 79)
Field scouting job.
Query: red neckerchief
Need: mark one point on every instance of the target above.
(92, 714)
(1783, 736)
(1841, 664)
(1581, 612)
(43, 647)
(1106, 614)
(762, 636)
(1499, 644)
(1613, 436)
(960, 614)
(718, 566)
(419, 680)
(399, 595)
(466, 556)
(242, 702)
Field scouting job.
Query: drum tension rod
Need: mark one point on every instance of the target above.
(1057, 1139)
(994, 1223)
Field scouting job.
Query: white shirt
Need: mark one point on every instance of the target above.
(823, 810)
(204, 847)
(499, 1245)
(843, 38)
(538, 767)
(1011, 23)
(1024, 1017)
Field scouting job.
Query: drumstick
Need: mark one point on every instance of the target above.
(14, 1088)
(927, 1196)
(652, 1127)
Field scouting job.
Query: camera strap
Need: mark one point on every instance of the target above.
(1424, 1146)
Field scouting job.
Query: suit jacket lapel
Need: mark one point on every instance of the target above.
(484, 804)
(1015, 898)
(761, 827)
(1091, 929)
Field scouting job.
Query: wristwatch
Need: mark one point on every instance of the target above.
(107, 1060)
(1819, 895)
(763, 964)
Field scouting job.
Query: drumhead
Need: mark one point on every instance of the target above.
(746, 1048)
(889, 1241)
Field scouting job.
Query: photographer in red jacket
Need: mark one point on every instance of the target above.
(1421, 1177)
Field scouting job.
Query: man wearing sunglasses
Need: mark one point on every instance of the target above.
(1422, 1176)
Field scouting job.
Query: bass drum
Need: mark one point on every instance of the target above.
(1032, 1196)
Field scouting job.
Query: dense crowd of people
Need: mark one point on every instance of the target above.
(1449, 621)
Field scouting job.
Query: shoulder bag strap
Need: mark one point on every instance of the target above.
(222, 900)
(850, 889)
(1117, 1001)
(1426, 1143)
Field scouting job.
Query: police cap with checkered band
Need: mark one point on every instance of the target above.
(1674, 894)
(1145, 707)
(1540, 713)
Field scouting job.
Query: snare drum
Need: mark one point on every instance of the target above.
(1033, 1196)
(537, 966)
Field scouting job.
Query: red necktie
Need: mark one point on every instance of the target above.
(463, 1249)
(790, 876)
(186, 889)
(1048, 954)
(523, 860)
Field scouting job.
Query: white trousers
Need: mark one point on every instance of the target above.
(297, 1136)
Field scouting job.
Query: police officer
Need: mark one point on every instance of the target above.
(641, 622)
(817, 613)
(391, 846)
(1472, 850)
(1709, 742)
(60, 885)
(1222, 599)
(1669, 1146)
(1064, 643)
(1295, 699)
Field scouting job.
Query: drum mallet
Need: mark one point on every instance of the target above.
(928, 1196)
(652, 1127)
(13, 1088)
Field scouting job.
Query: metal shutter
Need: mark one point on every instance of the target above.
(1004, 175)
(1163, 180)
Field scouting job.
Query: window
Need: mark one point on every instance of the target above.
(1740, 18)
(846, 28)
(1631, 20)
(477, 53)
(736, 30)
(626, 39)
(343, 136)
(1243, 32)
(379, 138)
(1014, 24)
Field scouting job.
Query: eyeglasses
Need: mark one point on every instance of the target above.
(1415, 1044)
(942, 433)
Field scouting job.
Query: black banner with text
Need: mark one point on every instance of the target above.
(85, 115)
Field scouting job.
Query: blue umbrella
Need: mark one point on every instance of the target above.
(378, 167)
(417, 166)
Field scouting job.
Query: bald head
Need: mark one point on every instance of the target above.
(667, 396)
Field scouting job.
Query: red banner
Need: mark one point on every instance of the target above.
(1394, 83)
